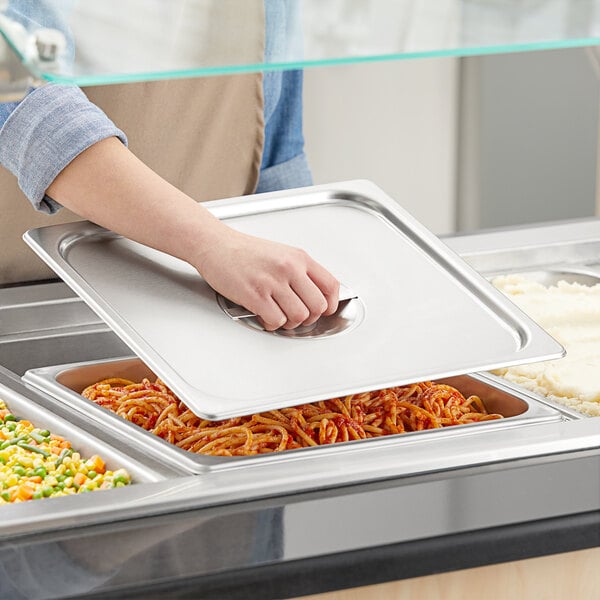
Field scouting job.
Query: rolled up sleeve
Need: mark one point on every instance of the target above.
(43, 133)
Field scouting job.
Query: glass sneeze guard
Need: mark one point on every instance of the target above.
(112, 41)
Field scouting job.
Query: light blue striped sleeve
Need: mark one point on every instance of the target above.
(44, 132)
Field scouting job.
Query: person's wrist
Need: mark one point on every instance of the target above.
(203, 237)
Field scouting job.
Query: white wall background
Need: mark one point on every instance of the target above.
(486, 142)
(528, 138)
(393, 123)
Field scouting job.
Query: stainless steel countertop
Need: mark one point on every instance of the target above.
(541, 482)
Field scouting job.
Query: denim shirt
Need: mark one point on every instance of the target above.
(43, 133)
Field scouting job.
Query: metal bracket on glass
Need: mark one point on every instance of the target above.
(19, 51)
(15, 79)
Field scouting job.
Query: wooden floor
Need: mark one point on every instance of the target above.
(572, 576)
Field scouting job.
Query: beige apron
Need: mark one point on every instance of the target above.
(203, 135)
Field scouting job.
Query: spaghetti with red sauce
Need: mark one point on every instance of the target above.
(416, 407)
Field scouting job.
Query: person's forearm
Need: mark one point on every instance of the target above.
(108, 185)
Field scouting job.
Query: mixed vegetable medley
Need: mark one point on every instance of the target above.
(34, 463)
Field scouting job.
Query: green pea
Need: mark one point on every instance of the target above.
(120, 479)
(47, 491)
(11, 426)
(59, 486)
(19, 470)
(69, 473)
(36, 495)
(10, 417)
(5, 496)
(60, 477)
(91, 474)
(41, 472)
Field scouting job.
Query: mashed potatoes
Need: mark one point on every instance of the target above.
(569, 312)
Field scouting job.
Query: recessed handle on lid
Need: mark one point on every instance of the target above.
(349, 314)
(235, 311)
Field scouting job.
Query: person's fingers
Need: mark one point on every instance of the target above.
(292, 307)
(269, 314)
(327, 284)
(312, 298)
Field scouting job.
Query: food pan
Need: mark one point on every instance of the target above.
(65, 382)
(562, 246)
(583, 274)
(26, 403)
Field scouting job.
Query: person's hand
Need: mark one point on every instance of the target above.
(282, 285)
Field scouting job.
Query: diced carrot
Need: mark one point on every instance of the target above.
(79, 479)
(25, 491)
(62, 443)
(96, 464)
(35, 479)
